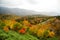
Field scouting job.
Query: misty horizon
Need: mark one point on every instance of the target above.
(50, 7)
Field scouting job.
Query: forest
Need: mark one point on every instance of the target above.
(13, 27)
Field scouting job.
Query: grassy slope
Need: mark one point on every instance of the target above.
(12, 35)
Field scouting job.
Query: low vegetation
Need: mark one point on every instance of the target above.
(29, 28)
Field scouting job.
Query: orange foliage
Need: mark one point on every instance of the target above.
(6, 29)
(25, 22)
(34, 28)
(23, 30)
(51, 34)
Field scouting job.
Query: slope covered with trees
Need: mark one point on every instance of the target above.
(14, 27)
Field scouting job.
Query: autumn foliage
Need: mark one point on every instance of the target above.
(41, 27)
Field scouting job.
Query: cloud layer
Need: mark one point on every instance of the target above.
(36, 5)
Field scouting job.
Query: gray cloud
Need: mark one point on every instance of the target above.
(32, 1)
(36, 5)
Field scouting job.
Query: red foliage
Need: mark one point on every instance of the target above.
(23, 30)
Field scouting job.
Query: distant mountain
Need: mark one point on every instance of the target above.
(23, 12)
(17, 11)
(4, 10)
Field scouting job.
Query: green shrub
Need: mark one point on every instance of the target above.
(12, 35)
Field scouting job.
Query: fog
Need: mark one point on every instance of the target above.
(35, 5)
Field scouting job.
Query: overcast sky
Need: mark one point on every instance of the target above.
(35, 5)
